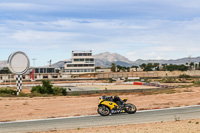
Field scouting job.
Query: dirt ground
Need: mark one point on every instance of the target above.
(116, 87)
(184, 126)
(25, 108)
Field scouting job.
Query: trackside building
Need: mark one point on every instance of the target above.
(81, 62)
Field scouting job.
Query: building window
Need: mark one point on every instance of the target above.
(82, 54)
(36, 70)
(45, 77)
(41, 70)
(80, 65)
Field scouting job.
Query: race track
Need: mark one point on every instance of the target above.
(172, 114)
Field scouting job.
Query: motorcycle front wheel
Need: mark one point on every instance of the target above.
(130, 108)
(103, 110)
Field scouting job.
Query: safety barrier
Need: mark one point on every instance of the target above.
(153, 84)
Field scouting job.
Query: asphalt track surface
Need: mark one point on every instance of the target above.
(171, 114)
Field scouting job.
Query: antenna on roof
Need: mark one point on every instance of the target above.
(49, 63)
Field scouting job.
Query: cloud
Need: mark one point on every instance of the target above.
(161, 35)
(112, 9)
(26, 36)
(24, 7)
(135, 28)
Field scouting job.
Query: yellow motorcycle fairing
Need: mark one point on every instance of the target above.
(109, 104)
(125, 99)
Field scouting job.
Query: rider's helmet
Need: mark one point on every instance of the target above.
(116, 97)
(104, 97)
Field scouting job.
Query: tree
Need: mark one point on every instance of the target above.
(136, 67)
(196, 66)
(199, 66)
(113, 67)
(97, 67)
(143, 66)
(164, 67)
(182, 67)
(119, 68)
(156, 66)
(191, 65)
(5, 70)
(128, 69)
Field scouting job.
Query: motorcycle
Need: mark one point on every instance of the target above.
(109, 105)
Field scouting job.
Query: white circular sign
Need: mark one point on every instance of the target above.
(18, 62)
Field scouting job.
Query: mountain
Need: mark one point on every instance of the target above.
(59, 64)
(3, 64)
(176, 61)
(106, 59)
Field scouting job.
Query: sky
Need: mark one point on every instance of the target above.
(137, 29)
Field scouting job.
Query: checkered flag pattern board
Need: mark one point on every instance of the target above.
(19, 83)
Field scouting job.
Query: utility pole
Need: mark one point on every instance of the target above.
(33, 70)
(34, 62)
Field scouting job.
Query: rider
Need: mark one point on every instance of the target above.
(117, 100)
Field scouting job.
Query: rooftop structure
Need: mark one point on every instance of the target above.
(81, 62)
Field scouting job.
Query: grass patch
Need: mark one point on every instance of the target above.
(168, 80)
(196, 83)
(187, 90)
(185, 86)
(75, 93)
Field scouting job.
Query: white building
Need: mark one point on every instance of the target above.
(81, 62)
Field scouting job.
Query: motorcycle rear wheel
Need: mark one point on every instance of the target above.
(103, 110)
(130, 108)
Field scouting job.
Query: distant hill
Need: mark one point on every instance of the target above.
(3, 64)
(59, 64)
(106, 59)
(176, 61)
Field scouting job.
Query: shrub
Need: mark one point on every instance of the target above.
(8, 91)
(59, 91)
(38, 89)
(46, 85)
(47, 88)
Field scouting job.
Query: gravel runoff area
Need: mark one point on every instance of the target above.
(26, 108)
